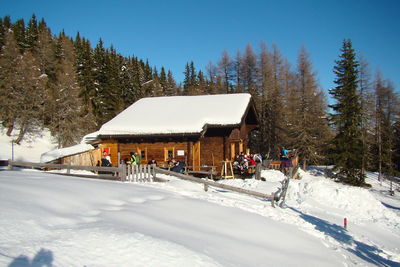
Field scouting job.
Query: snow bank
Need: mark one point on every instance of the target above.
(343, 200)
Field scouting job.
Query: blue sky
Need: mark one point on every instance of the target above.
(172, 33)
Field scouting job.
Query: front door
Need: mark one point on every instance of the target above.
(196, 155)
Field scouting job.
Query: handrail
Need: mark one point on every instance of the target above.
(68, 167)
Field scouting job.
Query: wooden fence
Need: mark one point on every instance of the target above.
(142, 173)
(114, 173)
(273, 197)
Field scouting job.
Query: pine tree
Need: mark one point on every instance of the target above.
(67, 124)
(171, 85)
(163, 81)
(32, 33)
(347, 144)
(2, 33)
(190, 83)
(100, 109)
(8, 77)
(18, 29)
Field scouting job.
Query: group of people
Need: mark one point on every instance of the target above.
(244, 161)
(134, 159)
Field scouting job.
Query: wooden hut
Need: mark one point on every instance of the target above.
(200, 130)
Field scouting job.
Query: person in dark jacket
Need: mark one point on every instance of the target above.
(152, 162)
(178, 166)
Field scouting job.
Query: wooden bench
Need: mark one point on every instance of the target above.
(276, 165)
(209, 171)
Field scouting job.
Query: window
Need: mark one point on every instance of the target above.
(143, 154)
(168, 153)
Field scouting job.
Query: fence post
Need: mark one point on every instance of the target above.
(135, 173)
(258, 171)
(129, 166)
(154, 171)
(10, 166)
(68, 169)
(147, 172)
(121, 172)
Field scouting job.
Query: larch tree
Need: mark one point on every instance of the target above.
(309, 127)
(346, 118)
(367, 102)
(397, 145)
(225, 67)
(29, 90)
(249, 71)
(387, 108)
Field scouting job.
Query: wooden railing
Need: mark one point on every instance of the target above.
(273, 197)
(105, 172)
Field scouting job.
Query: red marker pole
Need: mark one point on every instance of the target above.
(345, 223)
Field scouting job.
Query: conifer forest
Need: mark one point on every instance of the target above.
(72, 86)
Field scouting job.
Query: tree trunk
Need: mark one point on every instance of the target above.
(304, 164)
(21, 134)
(10, 128)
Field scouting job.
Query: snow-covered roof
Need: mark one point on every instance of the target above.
(64, 152)
(178, 114)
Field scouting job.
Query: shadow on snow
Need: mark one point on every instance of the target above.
(390, 206)
(366, 252)
(43, 258)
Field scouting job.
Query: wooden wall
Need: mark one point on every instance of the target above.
(112, 147)
(212, 151)
(181, 151)
(89, 158)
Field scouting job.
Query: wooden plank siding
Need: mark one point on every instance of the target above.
(212, 151)
(158, 151)
(88, 158)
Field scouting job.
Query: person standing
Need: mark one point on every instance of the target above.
(138, 158)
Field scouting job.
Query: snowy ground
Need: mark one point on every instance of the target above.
(69, 221)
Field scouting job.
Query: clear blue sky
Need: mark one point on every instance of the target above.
(172, 33)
